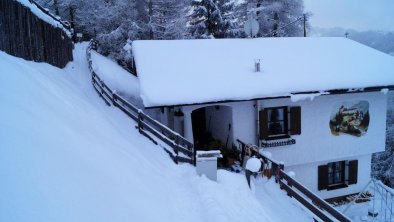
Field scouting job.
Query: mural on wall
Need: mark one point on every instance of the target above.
(350, 118)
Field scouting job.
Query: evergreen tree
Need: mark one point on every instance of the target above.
(277, 17)
(212, 18)
(167, 19)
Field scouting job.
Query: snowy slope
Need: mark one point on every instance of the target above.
(65, 156)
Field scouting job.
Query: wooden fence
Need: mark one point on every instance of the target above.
(319, 207)
(25, 35)
(179, 148)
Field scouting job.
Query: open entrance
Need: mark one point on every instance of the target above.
(212, 128)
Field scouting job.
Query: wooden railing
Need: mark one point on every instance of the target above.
(308, 199)
(181, 149)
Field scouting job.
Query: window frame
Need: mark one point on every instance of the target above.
(285, 121)
(332, 175)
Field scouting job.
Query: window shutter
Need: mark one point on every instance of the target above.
(263, 116)
(353, 171)
(322, 177)
(295, 120)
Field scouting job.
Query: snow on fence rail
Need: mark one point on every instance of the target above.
(303, 195)
(182, 149)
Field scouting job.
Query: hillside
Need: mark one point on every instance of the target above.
(66, 156)
(382, 41)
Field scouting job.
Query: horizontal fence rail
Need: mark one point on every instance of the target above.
(146, 125)
(303, 195)
(316, 202)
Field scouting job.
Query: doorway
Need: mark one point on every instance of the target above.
(212, 128)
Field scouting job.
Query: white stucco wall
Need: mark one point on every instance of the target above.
(316, 143)
(307, 175)
(244, 121)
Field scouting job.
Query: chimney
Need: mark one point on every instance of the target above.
(257, 63)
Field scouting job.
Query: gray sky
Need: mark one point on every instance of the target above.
(353, 14)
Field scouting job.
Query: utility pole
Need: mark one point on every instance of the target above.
(72, 9)
(150, 14)
(304, 25)
(55, 4)
(275, 27)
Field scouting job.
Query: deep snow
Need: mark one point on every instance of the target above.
(116, 78)
(174, 72)
(66, 156)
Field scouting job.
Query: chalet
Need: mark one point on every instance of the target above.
(317, 104)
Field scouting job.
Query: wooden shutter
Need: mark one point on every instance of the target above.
(322, 177)
(295, 120)
(353, 171)
(263, 116)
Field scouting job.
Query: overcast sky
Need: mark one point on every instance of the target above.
(353, 14)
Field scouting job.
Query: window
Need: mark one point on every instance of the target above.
(279, 122)
(335, 175)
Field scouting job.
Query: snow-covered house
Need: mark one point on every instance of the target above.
(317, 104)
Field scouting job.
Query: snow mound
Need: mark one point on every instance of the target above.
(253, 164)
(125, 83)
(66, 156)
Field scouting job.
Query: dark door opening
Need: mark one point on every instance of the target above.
(213, 130)
(212, 127)
(199, 126)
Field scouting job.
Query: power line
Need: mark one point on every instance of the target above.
(280, 28)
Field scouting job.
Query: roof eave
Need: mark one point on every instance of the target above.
(323, 93)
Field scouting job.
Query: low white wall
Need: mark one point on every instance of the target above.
(307, 175)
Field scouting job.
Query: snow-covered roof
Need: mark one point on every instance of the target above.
(176, 72)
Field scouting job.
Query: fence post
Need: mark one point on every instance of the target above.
(114, 102)
(102, 87)
(278, 175)
(290, 185)
(139, 121)
(176, 148)
(193, 157)
(290, 174)
(281, 167)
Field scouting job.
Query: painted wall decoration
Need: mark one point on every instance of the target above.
(350, 118)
